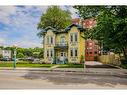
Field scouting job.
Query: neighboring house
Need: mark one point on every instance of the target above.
(92, 47)
(6, 53)
(92, 50)
(87, 23)
(65, 45)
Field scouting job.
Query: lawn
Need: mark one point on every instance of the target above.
(33, 65)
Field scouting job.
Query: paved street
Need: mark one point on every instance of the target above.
(91, 78)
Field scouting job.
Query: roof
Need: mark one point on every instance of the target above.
(47, 28)
(63, 31)
(78, 26)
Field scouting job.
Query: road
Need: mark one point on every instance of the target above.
(37, 79)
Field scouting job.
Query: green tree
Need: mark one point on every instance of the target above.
(20, 55)
(28, 52)
(111, 28)
(1, 56)
(41, 54)
(54, 17)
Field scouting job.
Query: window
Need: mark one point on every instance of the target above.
(76, 37)
(47, 53)
(51, 53)
(51, 40)
(90, 52)
(71, 38)
(62, 39)
(90, 47)
(47, 39)
(95, 52)
(76, 53)
(61, 53)
(71, 52)
(90, 44)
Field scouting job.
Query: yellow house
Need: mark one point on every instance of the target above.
(66, 46)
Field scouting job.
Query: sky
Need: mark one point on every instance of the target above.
(18, 25)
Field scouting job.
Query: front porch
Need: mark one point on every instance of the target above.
(60, 56)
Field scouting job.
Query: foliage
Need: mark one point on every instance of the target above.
(28, 64)
(26, 52)
(1, 56)
(111, 28)
(82, 59)
(54, 17)
(20, 55)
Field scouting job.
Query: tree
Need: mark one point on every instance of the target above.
(1, 56)
(41, 54)
(111, 28)
(20, 55)
(54, 17)
(28, 52)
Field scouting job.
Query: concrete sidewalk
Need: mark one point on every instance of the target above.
(102, 71)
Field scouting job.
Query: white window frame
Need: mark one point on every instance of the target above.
(73, 35)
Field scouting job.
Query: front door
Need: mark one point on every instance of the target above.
(62, 56)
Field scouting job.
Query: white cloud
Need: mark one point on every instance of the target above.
(27, 41)
(23, 22)
(2, 41)
(5, 12)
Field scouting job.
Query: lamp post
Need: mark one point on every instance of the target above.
(14, 63)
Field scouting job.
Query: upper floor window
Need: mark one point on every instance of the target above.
(90, 44)
(62, 39)
(49, 40)
(76, 37)
(73, 37)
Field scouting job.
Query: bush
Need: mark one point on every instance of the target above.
(124, 63)
(23, 62)
(95, 58)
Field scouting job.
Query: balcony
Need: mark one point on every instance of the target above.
(61, 45)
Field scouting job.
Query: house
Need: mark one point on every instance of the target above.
(92, 50)
(92, 47)
(65, 46)
(6, 53)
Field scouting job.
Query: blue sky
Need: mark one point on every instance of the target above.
(18, 25)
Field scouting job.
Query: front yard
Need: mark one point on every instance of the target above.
(37, 65)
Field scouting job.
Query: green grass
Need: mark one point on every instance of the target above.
(33, 65)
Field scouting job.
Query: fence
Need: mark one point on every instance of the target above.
(109, 59)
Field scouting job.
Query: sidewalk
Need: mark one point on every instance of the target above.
(102, 71)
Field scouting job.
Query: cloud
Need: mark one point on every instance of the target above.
(19, 24)
(2, 40)
(5, 12)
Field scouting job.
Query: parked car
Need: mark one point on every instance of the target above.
(37, 61)
(5, 59)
